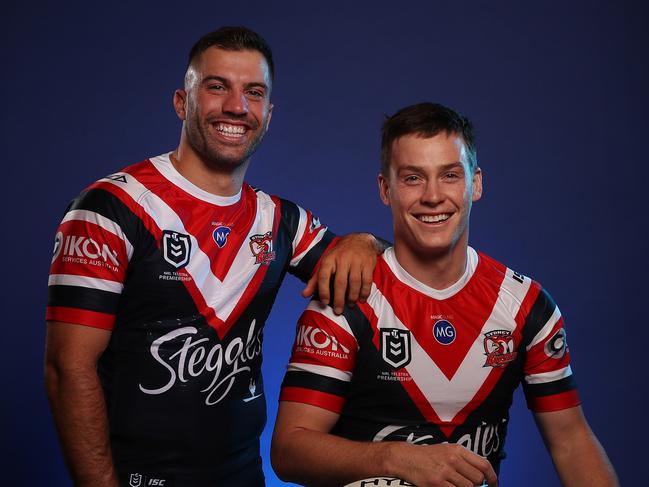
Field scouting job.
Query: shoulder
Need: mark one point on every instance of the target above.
(510, 281)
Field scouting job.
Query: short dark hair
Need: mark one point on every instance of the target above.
(234, 38)
(425, 120)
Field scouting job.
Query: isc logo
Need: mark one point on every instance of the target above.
(444, 332)
(156, 482)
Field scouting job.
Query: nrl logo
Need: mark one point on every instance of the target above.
(135, 480)
(261, 246)
(176, 248)
(499, 348)
(395, 347)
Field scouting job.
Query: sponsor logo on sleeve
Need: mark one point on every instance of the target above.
(395, 347)
(261, 246)
(311, 339)
(74, 249)
(556, 346)
(499, 348)
(176, 248)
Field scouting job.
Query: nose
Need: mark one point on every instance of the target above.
(432, 194)
(235, 103)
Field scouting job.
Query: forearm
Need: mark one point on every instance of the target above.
(314, 458)
(78, 407)
(582, 462)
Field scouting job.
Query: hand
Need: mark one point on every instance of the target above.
(445, 465)
(351, 261)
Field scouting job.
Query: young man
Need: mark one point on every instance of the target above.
(416, 383)
(162, 277)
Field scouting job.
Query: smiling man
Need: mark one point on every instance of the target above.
(417, 382)
(162, 277)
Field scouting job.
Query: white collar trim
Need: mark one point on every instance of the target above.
(471, 264)
(163, 164)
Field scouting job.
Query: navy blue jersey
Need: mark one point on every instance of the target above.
(185, 281)
(426, 366)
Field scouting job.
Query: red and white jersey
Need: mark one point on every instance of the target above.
(428, 366)
(185, 280)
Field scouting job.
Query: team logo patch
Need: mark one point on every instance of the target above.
(499, 348)
(220, 235)
(135, 480)
(444, 332)
(176, 248)
(556, 346)
(395, 346)
(261, 246)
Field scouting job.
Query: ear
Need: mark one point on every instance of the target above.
(384, 189)
(180, 103)
(477, 184)
(270, 115)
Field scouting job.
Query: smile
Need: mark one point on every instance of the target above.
(433, 218)
(230, 130)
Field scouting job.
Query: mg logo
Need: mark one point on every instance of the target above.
(395, 347)
(444, 332)
(176, 248)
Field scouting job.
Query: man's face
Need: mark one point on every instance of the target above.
(430, 189)
(225, 105)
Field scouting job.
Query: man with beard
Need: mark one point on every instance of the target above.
(416, 383)
(162, 277)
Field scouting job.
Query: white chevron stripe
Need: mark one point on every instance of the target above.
(82, 281)
(470, 376)
(243, 267)
(100, 220)
(320, 370)
(552, 376)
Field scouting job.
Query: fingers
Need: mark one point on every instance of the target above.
(340, 287)
(483, 466)
(366, 281)
(311, 286)
(323, 278)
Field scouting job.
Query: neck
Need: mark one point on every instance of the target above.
(439, 270)
(218, 180)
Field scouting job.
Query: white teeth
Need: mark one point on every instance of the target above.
(231, 129)
(434, 218)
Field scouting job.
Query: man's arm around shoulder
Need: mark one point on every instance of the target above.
(577, 455)
(77, 401)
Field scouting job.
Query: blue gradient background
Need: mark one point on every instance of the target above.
(557, 91)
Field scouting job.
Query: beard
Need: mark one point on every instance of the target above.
(217, 154)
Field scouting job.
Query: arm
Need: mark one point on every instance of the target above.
(77, 401)
(351, 260)
(577, 455)
(303, 451)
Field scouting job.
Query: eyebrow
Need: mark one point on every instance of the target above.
(444, 167)
(225, 81)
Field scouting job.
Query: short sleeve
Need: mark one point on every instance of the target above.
(323, 359)
(89, 262)
(548, 381)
